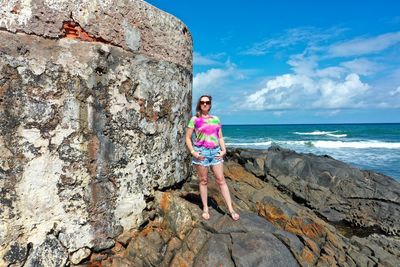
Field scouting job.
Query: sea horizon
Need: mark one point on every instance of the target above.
(329, 123)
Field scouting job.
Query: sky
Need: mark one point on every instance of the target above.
(295, 62)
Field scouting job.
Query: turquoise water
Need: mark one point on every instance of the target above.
(373, 147)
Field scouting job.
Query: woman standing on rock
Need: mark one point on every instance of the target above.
(208, 150)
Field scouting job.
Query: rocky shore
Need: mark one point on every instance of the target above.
(296, 210)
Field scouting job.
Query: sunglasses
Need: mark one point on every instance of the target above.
(205, 102)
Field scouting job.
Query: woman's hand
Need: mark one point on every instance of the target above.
(198, 155)
(221, 154)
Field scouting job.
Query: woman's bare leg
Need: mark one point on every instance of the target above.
(220, 179)
(202, 173)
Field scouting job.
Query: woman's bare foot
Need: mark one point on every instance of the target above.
(205, 215)
(234, 215)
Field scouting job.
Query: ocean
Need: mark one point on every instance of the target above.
(373, 147)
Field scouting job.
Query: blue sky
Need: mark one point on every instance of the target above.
(278, 62)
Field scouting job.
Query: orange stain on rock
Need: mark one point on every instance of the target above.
(236, 172)
(307, 256)
(16, 9)
(93, 149)
(296, 225)
(312, 245)
(272, 214)
(311, 230)
(164, 202)
(72, 30)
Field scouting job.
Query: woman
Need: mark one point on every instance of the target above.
(208, 150)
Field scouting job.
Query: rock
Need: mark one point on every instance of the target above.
(137, 26)
(321, 243)
(338, 191)
(49, 253)
(93, 98)
(368, 251)
(236, 172)
(250, 249)
(125, 237)
(196, 239)
(275, 230)
(215, 252)
(79, 255)
(172, 247)
(152, 246)
(17, 254)
(177, 213)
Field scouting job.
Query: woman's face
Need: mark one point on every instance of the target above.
(205, 103)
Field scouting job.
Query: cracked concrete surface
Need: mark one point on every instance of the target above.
(94, 97)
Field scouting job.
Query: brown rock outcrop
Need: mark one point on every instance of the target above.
(274, 230)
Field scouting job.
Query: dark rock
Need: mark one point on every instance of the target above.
(215, 252)
(49, 253)
(336, 190)
(16, 254)
(252, 249)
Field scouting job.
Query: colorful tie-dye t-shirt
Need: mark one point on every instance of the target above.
(206, 131)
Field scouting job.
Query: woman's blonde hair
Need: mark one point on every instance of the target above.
(198, 106)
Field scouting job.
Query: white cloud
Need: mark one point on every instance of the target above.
(210, 60)
(328, 113)
(216, 77)
(209, 78)
(300, 64)
(291, 37)
(364, 46)
(395, 92)
(338, 84)
(308, 66)
(331, 72)
(361, 66)
(278, 113)
(341, 94)
(309, 88)
(280, 93)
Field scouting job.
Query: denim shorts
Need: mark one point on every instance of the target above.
(209, 154)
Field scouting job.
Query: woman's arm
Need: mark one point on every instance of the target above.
(189, 144)
(189, 133)
(221, 144)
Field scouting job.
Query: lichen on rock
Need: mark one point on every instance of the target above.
(94, 97)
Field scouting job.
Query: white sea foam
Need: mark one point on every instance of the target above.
(314, 133)
(360, 144)
(255, 144)
(331, 133)
(321, 144)
(337, 135)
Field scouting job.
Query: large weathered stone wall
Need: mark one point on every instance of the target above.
(95, 96)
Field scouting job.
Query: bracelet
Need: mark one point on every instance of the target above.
(191, 152)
